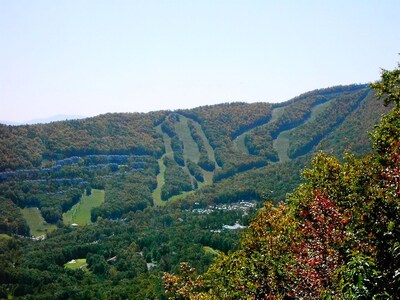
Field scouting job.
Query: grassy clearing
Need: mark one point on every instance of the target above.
(317, 110)
(160, 177)
(180, 196)
(208, 178)
(190, 151)
(210, 150)
(5, 236)
(281, 143)
(36, 223)
(79, 263)
(160, 182)
(277, 113)
(239, 142)
(281, 146)
(167, 142)
(211, 251)
(190, 148)
(80, 212)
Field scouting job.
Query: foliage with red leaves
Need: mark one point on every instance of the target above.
(317, 252)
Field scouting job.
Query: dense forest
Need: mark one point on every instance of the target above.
(104, 207)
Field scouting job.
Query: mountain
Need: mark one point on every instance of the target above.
(157, 187)
(199, 151)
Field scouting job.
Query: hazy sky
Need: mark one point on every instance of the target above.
(91, 57)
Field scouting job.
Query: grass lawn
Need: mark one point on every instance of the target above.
(80, 212)
(79, 263)
(36, 223)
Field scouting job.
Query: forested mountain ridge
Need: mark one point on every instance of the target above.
(337, 236)
(195, 162)
(171, 153)
(29, 146)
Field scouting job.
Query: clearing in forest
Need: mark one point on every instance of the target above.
(79, 263)
(80, 213)
(36, 223)
(160, 182)
(282, 142)
(190, 151)
(190, 148)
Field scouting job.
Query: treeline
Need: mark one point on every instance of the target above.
(168, 125)
(128, 192)
(11, 219)
(297, 111)
(330, 91)
(177, 180)
(236, 167)
(177, 147)
(222, 123)
(204, 161)
(195, 170)
(28, 146)
(353, 134)
(52, 198)
(253, 184)
(304, 137)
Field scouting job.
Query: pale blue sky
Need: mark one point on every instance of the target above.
(92, 57)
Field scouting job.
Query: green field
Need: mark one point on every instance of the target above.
(36, 223)
(80, 212)
(190, 148)
(79, 263)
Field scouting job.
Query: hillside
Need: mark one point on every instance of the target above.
(337, 234)
(173, 153)
(209, 166)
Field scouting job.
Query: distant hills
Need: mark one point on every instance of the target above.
(44, 120)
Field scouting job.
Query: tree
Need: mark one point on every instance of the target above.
(388, 88)
(322, 228)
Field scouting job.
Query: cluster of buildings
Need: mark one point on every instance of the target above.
(91, 162)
